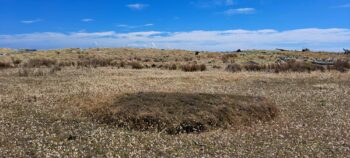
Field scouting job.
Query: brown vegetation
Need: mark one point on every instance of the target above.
(193, 67)
(64, 110)
(37, 62)
(4, 65)
(229, 58)
(234, 68)
(136, 65)
(184, 113)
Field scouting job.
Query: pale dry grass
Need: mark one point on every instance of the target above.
(45, 115)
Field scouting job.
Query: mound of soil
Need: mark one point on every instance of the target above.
(184, 112)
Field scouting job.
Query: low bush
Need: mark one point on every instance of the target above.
(169, 66)
(193, 67)
(136, 65)
(40, 62)
(229, 58)
(341, 65)
(94, 62)
(291, 66)
(36, 72)
(4, 65)
(234, 68)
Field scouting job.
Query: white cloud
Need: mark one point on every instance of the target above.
(343, 6)
(87, 20)
(137, 6)
(31, 21)
(134, 26)
(148, 24)
(212, 3)
(240, 11)
(332, 39)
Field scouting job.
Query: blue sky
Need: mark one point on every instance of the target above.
(181, 24)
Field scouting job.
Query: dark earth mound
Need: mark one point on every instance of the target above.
(184, 112)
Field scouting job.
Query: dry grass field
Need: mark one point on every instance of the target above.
(170, 103)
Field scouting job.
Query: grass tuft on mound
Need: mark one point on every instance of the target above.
(178, 113)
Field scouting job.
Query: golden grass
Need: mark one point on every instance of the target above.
(50, 115)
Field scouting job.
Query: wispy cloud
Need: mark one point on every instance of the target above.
(212, 3)
(87, 20)
(149, 24)
(240, 11)
(134, 26)
(332, 39)
(137, 6)
(343, 6)
(31, 21)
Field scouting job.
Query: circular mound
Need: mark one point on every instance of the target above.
(184, 112)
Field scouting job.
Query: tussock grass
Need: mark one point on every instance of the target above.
(234, 68)
(4, 65)
(37, 62)
(136, 65)
(193, 67)
(229, 58)
(341, 65)
(94, 62)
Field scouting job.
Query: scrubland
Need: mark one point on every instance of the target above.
(170, 103)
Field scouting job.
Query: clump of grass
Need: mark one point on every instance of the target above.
(4, 65)
(216, 67)
(136, 65)
(234, 68)
(26, 72)
(169, 66)
(40, 62)
(229, 58)
(193, 67)
(55, 69)
(16, 61)
(67, 63)
(342, 65)
(178, 113)
(23, 72)
(94, 62)
(254, 67)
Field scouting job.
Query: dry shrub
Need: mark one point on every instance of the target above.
(341, 65)
(40, 62)
(169, 66)
(193, 67)
(94, 62)
(254, 67)
(55, 69)
(229, 58)
(136, 65)
(16, 61)
(216, 67)
(67, 63)
(291, 66)
(23, 72)
(4, 65)
(178, 113)
(187, 59)
(26, 72)
(234, 68)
